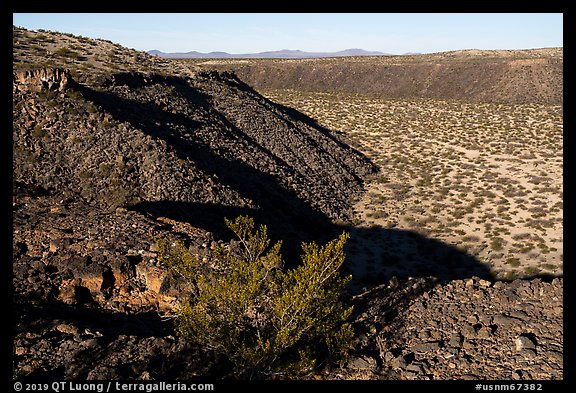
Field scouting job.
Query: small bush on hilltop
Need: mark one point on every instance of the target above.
(269, 322)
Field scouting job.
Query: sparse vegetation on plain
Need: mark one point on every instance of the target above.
(479, 172)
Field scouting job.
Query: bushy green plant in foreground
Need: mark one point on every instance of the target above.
(268, 321)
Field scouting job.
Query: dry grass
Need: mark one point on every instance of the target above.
(83, 56)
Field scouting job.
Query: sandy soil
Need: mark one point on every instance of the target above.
(484, 178)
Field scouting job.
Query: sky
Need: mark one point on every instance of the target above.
(394, 33)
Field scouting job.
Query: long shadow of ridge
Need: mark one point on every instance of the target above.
(281, 209)
(385, 252)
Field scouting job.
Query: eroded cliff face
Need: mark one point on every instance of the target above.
(512, 78)
(36, 80)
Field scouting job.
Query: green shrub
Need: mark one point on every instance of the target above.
(84, 174)
(39, 132)
(65, 52)
(269, 322)
(512, 261)
(497, 243)
(511, 275)
(550, 266)
(532, 270)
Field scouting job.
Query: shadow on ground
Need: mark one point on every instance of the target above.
(287, 215)
(125, 347)
(374, 255)
(286, 225)
(377, 254)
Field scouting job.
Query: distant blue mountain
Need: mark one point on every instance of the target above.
(279, 54)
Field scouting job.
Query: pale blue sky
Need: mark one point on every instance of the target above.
(394, 33)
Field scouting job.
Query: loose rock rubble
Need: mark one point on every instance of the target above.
(461, 329)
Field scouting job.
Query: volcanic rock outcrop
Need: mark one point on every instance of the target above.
(39, 79)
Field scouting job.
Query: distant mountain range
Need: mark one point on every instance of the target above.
(279, 54)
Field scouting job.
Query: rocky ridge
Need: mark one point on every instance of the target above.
(166, 143)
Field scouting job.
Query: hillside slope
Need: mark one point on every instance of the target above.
(209, 139)
(530, 76)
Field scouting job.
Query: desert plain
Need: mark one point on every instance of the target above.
(485, 178)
